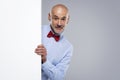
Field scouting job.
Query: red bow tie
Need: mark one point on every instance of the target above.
(56, 37)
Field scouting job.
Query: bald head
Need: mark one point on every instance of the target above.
(59, 7)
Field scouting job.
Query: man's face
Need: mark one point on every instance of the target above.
(58, 18)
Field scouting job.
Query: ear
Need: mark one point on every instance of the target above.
(49, 17)
(68, 19)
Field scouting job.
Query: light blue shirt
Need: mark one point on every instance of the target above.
(58, 56)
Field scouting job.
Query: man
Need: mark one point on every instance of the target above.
(55, 50)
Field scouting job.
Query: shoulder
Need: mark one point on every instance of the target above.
(45, 27)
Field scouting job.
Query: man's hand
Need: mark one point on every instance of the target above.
(41, 50)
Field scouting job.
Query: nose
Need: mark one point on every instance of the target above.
(59, 22)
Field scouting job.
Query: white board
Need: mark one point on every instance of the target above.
(20, 22)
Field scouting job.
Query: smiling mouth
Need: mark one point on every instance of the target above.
(59, 27)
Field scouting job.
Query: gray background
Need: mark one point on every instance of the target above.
(94, 31)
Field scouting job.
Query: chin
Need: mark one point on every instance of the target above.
(58, 31)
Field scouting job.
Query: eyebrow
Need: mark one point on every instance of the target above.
(57, 16)
(64, 17)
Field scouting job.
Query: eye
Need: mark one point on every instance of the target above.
(55, 18)
(63, 19)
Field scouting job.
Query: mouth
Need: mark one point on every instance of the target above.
(59, 27)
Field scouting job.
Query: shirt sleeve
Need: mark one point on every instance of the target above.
(57, 72)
